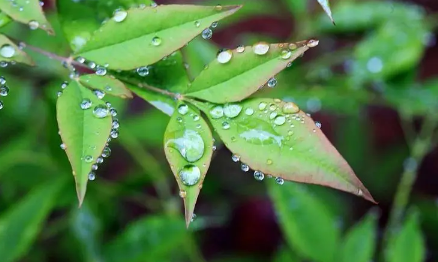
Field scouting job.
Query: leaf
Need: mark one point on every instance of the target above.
(129, 44)
(360, 242)
(188, 144)
(285, 255)
(20, 224)
(245, 72)
(4, 19)
(149, 239)
(276, 138)
(162, 102)
(407, 245)
(28, 12)
(9, 52)
(83, 134)
(107, 84)
(306, 223)
(326, 6)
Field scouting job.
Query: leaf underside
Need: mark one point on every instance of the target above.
(26, 11)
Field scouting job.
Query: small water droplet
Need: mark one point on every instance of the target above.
(183, 109)
(91, 65)
(262, 106)
(100, 111)
(99, 94)
(114, 133)
(235, 158)
(273, 115)
(143, 71)
(197, 23)
(120, 15)
(88, 158)
(34, 25)
(225, 125)
(156, 41)
(258, 175)
(261, 48)
(280, 120)
(240, 49)
(64, 85)
(116, 124)
(249, 111)
(286, 54)
(318, 124)
(214, 24)
(113, 111)
(7, 51)
(279, 180)
(207, 33)
(63, 146)
(91, 176)
(224, 56)
(232, 110)
(100, 71)
(290, 108)
(218, 7)
(106, 152)
(272, 82)
(59, 93)
(244, 167)
(217, 112)
(2, 80)
(190, 175)
(269, 162)
(359, 192)
(196, 118)
(99, 160)
(4, 90)
(86, 103)
(312, 43)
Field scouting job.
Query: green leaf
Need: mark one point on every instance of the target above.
(83, 133)
(162, 102)
(150, 239)
(285, 255)
(326, 6)
(28, 12)
(407, 245)
(107, 84)
(276, 138)
(129, 44)
(9, 52)
(20, 224)
(4, 19)
(360, 242)
(188, 144)
(306, 223)
(245, 72)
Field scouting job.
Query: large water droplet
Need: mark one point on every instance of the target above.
(120, 15)
(207, 33)
(190, 175)
(156, 41)
(100, 111)
(260, 48)
(183, 109)
(33, 25)
(224, 56)
(143, 71)
(272, 82)
(280, 120)
(7, 51)
(86, 103)
(279, 180)
(217, 112)
(259, 176)
(290, 108)
(232, 110)
(189, 144)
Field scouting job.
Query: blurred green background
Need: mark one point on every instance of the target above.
(372, 83)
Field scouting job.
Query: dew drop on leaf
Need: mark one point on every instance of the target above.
(261, 48)
(207, 33)
(1, 104)
(182, 193)
(88, 159)
(197, 23)
(225, 125)
(286, 54)
(249, 111)
(94, 167)
(190, 175)
(7, 51)
(262, 106)
(280, 120)
(143, 71)
(272, 82)
(2, 80)
(156, 41)
(273, 115)
(120, 15)
(33, 25)
(318, 124)
(232, 110)
(218, 8)
(189, 144)
(235, 158)
(290, 108)
(214, 24)
(100, 71)
(91, 176)
(86, 104)
(312, 43)
(217, 112)
(259, 176)
(4, 90)
(63, 146)
(224, 56)
(293, 46)
(244, 167)
(99, 160)
(114, 133)
(99, 94)
(183, 109)
(269, 162)
(106, 152)
(279, 180)
(100, 111)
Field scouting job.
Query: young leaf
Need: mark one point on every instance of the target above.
(360, 242)
(9, 52)
(107, 84)
(408, 244)
(162, 102)
(237, 74)
(85, 125)
(20, 225)
(307, 225)
(28, 12)
(276, 138)
(326, 6)
(125, 43)
(188, 144)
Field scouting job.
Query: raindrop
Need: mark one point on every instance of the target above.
(189, 144)
(91, 176)
(63, 146)
(91, 65)
(262, 106)
(232, 110)
(100, 71)
(99, 160)
(214, 24)
(225, 125)
(106, 152)
(293, 46)
(359, 192)
(244, 167)
(249, 111)
(259, 176)
(260, 48)
(86, 103)
(193, 216)
(279, 120)
(318, 124)
(59, 93)
(88, 158)
(100, 111)
(1, 104)
(114, 134)
(94, 167)
(3, 64)
(312, 43)
(156, 41)
(99, 94)
(224, 56)
(7, 51)
(217, 112)
(120, 15)
(272, 82)
(196, 118)
(197, 23)
(113, 111)
(143, 71)
(80, 59)
(190, 175)
(183, 109)
(235, 158)
(279, 180)
(116, 124)
(207, 33)
(214, 148)
(64, 85)
(4, 90)
(286, 54)
(240, 49)
(290, 108)
(273, 115)
(2, 80)
(33, 25)
(182, 193)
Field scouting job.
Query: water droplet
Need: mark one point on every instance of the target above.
(80, 59)
(106, 152)
(59, 93)
(94, 167)
(116, 124)
(218, 8)
(224, 56)
(279, 180)
(2, 80)
(1, 104)
(99, 94)
(100, 71)
(375, 65)
(207, 33)
(197, 23)
(190, 175)
(33, 25)
(259, 176)
(286, 54)
(7, 51)
(88, 159)
(359, 192)
(249, 111)
(272, 82)
(214, 24)
(225, 125)
(262, 106)
(244, 167)
(260, 48)
(196, 118)
(91, 64)
(143, 71)
(232, 110)
(273, 115)
(279, 120)
(64, 85)
(235, 158)
(214, 148)
(290, 108)
(86, 103)
(194, 215)
(99, 160)
(100, 111)
(312, 43)
(113, 111)
(156, 41)
(269, 162)
(182, 193)
(293, 46)
(114, 133)
(4, 90)
(189, 144)
(91, 176)
(240, 49)
(63, 146)
(183, 109)
(217, 112)
(318, 124)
